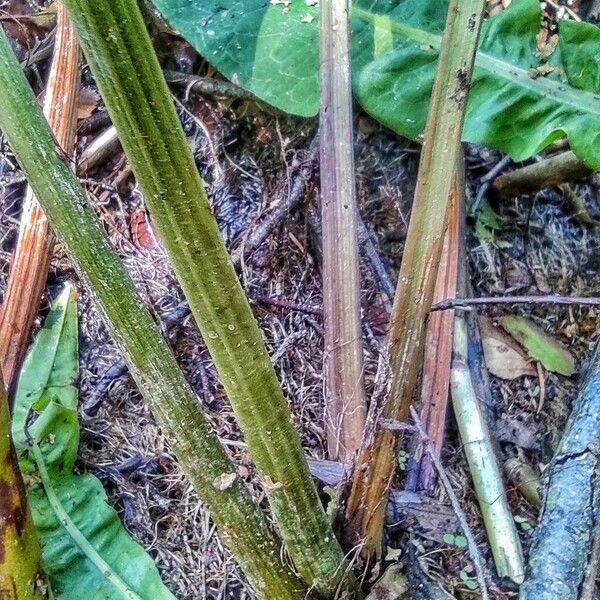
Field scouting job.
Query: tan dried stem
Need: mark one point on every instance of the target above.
(344, 386)
(419, 268)
(29, 267)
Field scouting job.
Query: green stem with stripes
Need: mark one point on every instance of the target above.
(119, 51)
(153, 366)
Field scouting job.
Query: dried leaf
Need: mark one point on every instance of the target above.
(539, 345)
(392, 585)
(503, 356)
(142, 230)
(87, 103)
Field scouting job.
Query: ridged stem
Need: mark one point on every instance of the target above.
(120, 54)
(344, 387)
(153, 366)
(420, 261)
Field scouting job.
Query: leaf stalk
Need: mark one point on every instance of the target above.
(344, 386)
(419, 268)
(120, 54)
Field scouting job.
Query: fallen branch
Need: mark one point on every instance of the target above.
(418, 272)
(577, 208)
(525, 479)
(550, 172)
(588, 587)
(31, 259)
(563, 541)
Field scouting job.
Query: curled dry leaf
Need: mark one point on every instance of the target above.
(503, 355)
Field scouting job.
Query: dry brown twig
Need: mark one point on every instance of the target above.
(466, 303)
(458, 511)
(29, 268)
(549, 172)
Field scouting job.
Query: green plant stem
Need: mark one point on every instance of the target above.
(344, 386)
(152, 364)
(483, 463)
(119, 51)
(20, 572)
(418, 271)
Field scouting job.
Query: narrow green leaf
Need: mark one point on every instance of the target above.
(47, 385)
(86, 552)
(539, 345)
(269, 49)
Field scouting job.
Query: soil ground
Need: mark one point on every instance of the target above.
(249, 157)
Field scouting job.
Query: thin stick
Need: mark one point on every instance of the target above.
(380, 270)
(458, 511)
(208, 86)
(345, 405)
(29, 267)
(550, 172)
(550, 299)
(289, 203)
(419, 268)
(99, 150)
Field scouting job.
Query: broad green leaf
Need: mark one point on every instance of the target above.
(73, 572)
(539, 345)
(47, 381)
(271, 49)
(262, 46)
(86, 551)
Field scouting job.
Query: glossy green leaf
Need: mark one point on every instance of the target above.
(86, 552)
(271, 49)
(74, 572)
(539, 345)
(47, 388)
